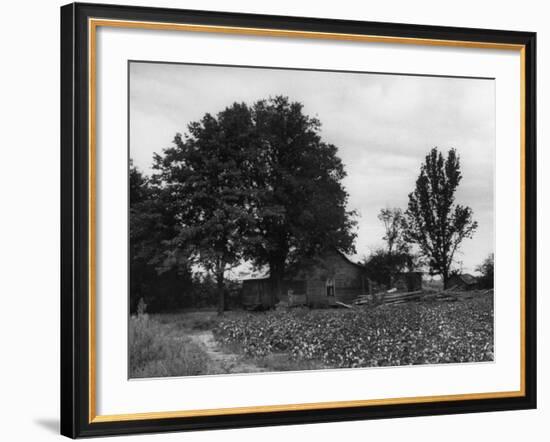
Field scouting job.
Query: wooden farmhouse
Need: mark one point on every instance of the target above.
(333, 278)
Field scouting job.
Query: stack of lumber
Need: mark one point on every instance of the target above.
(390, 297)
(400, 298)
(452, 294)
(449, 294)
(342, 304)
(362, 299)
(394, 297)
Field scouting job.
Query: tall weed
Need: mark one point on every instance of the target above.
(155, 351)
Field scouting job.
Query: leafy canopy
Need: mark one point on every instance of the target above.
(204, 173)
(301, 201)
(257, 183)
(435, 222)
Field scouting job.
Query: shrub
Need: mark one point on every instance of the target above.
(154, 352)
(487, 270)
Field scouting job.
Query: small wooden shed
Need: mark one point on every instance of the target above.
(333, 277)
(464, 281)
(407, 281)
(259, 293)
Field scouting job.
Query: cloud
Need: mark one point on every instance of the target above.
(383, 125)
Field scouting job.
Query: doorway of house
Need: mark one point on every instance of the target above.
(330, 287)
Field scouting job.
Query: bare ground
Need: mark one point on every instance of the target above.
(221, 360)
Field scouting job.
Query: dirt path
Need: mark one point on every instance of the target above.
(221, 362)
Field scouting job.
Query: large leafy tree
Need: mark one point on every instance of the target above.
(142, 222)
(435, 222)
(151, 219)
(152, 224)
(205, 177)
(301, 201)
(255, 183)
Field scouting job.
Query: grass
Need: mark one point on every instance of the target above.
(158, 350)
(190, 320)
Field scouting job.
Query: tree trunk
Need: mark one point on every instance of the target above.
(445, 276)
(221, 292)
(276, 273)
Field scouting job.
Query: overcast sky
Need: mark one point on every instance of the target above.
(383, 126)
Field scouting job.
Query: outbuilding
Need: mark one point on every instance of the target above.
(332, 278)
(463, 281)
(407, 281)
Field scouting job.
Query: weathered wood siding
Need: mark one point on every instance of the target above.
(256, 293)
(310, 286)
(260, 292)
(349, 280)
(407, 281)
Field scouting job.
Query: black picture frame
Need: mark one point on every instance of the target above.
(75, 220)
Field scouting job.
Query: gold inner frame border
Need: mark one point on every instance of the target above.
(93, 24)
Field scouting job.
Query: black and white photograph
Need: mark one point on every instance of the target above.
(289, 219)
